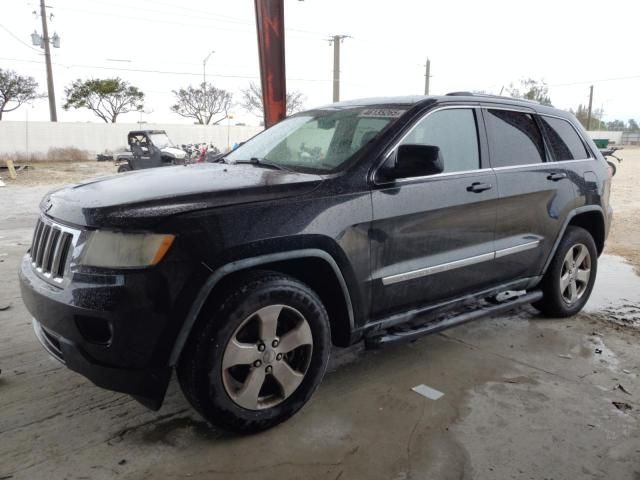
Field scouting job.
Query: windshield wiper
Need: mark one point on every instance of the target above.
(263, 162)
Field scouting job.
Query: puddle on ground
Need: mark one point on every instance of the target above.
(616, 294)
(595, 348)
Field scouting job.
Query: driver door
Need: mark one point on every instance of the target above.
(432, 236)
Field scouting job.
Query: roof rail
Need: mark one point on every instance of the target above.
(460, 94)
(488, 95)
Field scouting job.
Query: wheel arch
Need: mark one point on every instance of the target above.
(589, 217)
(296, 263)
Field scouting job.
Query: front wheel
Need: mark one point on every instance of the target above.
(124, 168)
(256, 357)
(569, 279)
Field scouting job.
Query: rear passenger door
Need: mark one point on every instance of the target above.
(432, 236)
(534, 193)
(570, 153)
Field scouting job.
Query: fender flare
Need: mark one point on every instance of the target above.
(572, 213)
(238, 265)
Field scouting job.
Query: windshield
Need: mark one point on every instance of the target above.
(160, 140)
(317, 140)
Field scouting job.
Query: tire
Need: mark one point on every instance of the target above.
(566, 286)
(231, 371)
(614, 169)
(124, 168)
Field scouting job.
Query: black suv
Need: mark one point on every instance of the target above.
(380, 219)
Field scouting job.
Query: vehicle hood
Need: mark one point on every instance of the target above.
(175, 152)
(140, 199)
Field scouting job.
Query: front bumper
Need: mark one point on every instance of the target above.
(125, 353)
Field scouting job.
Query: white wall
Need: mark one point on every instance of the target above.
(38, 137)
(613, 137)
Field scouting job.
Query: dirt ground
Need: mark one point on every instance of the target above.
(524, 397)
(55, 173)
(624, 237)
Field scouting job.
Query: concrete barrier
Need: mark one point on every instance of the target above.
(613, 137)
(39, 137)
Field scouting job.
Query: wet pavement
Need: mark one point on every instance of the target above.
(524, 397)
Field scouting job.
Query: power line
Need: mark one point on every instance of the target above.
(179, 23)
(583, 82)
(228, 18)
(19, 40)
(164, 72)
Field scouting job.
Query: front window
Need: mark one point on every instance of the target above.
(317, 140)
(160, 140)
(455, 133)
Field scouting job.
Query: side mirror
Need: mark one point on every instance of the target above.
(417, 161)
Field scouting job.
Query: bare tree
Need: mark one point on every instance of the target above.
(107, 98)
(203, 103)
(252, 100)
(530, 89)
(17, 90)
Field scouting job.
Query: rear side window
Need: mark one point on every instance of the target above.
(454, 132)
(514, 139)
(563, 139)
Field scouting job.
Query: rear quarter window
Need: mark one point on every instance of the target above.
(564, 141)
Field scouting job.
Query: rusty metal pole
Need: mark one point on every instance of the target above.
(270, 27)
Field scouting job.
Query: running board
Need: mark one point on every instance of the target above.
(434, 327)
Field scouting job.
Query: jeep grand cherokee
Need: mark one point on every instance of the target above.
(381, 219)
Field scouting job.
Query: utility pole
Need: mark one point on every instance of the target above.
(590, 105)
(47, 57)
(336, 40)
(427, 76)
(204, 68)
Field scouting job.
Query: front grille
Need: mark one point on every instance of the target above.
(50, 249)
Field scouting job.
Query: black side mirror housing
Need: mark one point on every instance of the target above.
(416, 161)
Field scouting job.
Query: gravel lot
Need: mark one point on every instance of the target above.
(524, 397)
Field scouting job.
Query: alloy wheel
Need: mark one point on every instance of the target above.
(267, 357)
(575, 273)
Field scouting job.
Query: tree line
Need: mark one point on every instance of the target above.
(531, 89)
(109, 98)
(206, 104)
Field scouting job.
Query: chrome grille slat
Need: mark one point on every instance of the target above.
(57, 254)
(64, 254)
(36, 231)
(50, 249)
(36, 240)
(46, 256)
(41, 246)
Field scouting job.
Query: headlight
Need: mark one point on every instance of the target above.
(124, 250)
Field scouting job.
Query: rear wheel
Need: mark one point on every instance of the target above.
(256, 357)
(569, 280)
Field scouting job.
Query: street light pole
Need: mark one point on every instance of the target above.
(47, 56)
(204, 67)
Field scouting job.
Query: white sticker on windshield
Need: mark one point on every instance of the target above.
(381, 113)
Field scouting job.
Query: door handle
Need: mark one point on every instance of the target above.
(556, 176)
(478, 187)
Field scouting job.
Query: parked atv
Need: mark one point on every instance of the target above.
(149, 149)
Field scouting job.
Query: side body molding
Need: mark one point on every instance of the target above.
(243, 264)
